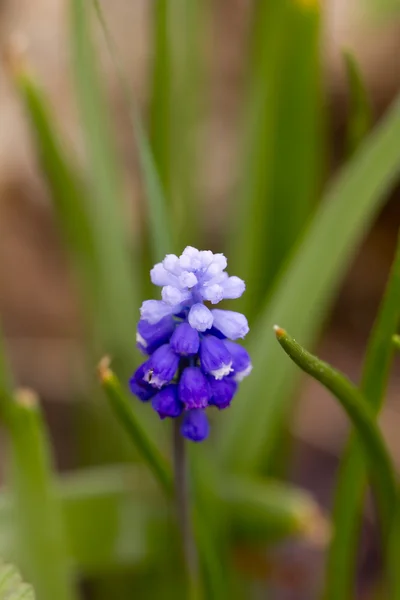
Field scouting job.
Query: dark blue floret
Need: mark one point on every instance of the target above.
(214, 357)
(222, 391)
(195, 426)
(185, 340)
(139, 387)
(194, 390)
(166, 402)
(161, 366)
(150, 337)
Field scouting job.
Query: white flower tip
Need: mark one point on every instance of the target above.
(223, 371)
(240, 375)
(140, 340)
(153, 380)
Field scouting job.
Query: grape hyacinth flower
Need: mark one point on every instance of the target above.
(193, 359)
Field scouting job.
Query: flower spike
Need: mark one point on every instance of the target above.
(192, 361)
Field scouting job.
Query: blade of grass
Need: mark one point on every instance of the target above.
(68, 192)
(120, 286)
(348, 503)
(186, 21)
(298, 134)
(38, 520)
(161, 237)
(381, 469)
(305, 290)
(253, 221)
(160, 117)
(360, 109)
(283, 149)
(70, 196)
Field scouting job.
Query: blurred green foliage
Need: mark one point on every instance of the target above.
(11, 585)
(289, 231)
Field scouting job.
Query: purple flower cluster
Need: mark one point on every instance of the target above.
(192, 361)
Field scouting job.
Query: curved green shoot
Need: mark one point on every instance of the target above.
(348, 502)
(353, 402)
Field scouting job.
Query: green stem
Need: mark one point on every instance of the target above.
(351, 483)
(39, 525)
(122, 407)
(182, 498)
(353, 402)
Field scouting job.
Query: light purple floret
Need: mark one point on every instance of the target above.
(189, 280)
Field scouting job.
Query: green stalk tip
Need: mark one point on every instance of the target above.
(26, 398)
(14, 54)
(103, 369)
(396, 341)
(279, 332)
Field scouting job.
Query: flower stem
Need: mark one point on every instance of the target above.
(183, 511)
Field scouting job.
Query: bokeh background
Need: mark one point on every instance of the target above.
(39, 305)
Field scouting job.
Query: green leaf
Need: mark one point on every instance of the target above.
(181, 100)
(160, 116)
(68, 191)
(351, 481)
(305, 291)
(283, 149)
(381, 470)
(120, 294)
(39, 528)
(360, 110)
(260, 510)
(11, 585)
(161, 238)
